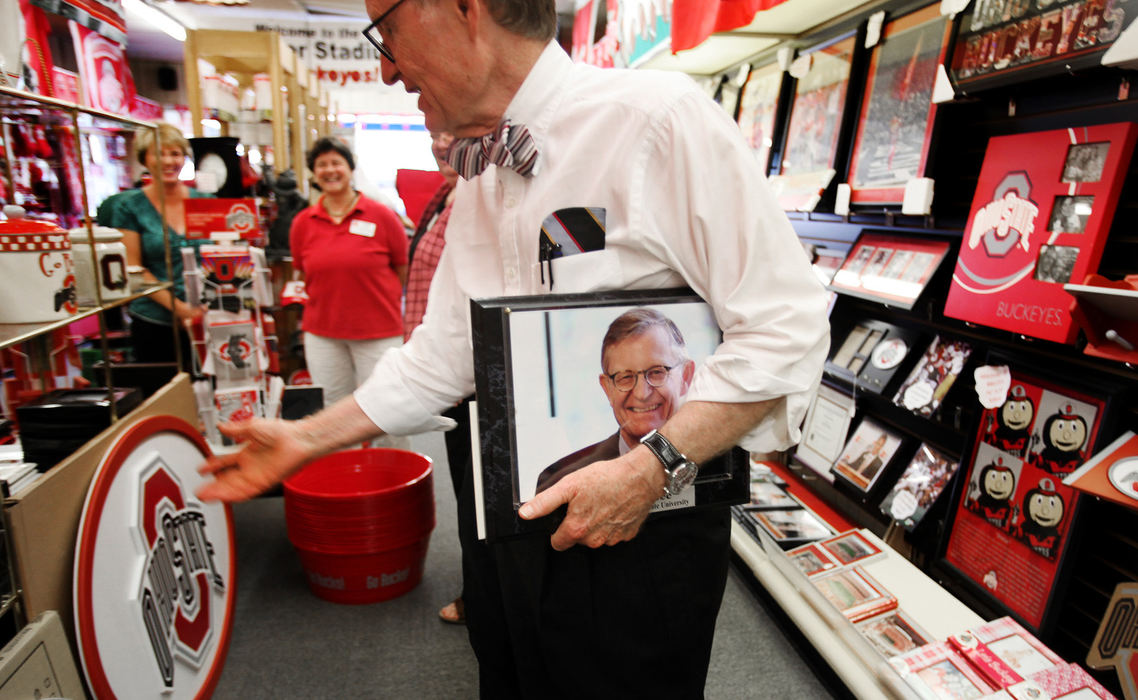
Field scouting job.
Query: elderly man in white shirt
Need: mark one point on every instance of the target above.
(609, 604)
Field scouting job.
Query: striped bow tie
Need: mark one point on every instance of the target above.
(508, 146)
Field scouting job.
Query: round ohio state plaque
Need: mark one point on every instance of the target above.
(154, 569)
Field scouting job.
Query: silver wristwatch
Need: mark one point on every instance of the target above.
(679, 471)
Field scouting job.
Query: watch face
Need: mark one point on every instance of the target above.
(682, 477)
(211, 173)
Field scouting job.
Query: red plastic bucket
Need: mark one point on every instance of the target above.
(360, 521)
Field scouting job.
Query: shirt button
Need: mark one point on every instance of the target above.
(511, 202)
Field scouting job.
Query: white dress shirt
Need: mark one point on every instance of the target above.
(686, 205)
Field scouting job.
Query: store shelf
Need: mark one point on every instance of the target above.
(15, 333)
(863, 670)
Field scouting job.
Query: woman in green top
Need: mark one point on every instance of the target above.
(136, 214)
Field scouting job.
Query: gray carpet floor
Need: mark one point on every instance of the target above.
(287, 643)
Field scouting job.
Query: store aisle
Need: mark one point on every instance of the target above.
(287, 643)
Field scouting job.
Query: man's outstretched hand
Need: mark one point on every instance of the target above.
(608, 501)
(271, 451)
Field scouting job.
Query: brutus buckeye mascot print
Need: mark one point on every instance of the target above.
(990, 496)
(1064, 436)
(1013, 422)
(1043, 509)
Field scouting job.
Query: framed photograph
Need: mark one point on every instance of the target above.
(1011, 524)
(891, 145)
(851, 548)
(1070, 682)
(825, 431)
(919, 486)
(891, 270)
(548, 407)
(871, 353)
(758, 107)
(812, 559)
(932, 376)
(936, 670)
(893, 633)
(790, 528)
(976, 66)
(854, 593)
(815, 121)
(766, 495)
(1015, 646)
(867, 454)
(1030, 230)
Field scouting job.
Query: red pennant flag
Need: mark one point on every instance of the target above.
(695, 20)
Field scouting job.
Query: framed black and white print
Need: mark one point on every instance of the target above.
(564, 381)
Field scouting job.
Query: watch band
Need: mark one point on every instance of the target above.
(664, 450)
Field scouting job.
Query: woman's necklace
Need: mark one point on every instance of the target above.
(340, 214)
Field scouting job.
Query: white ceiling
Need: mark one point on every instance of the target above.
(717, 54)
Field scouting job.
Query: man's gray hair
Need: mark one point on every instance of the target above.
(637, 321)
(532, 19)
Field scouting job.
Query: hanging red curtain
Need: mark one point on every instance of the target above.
(695, 20)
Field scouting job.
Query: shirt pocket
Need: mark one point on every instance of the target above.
(585, 272)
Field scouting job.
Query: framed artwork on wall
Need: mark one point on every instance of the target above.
(1013, 519)
(758, 106)
(1043, 208)
(807, 165)
(891, 145)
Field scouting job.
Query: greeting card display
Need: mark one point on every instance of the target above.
(790, 528)
(919, 486)
(1112, 473)
(757, 108)
(815, 122)
(893, 135)
(1069, 681)
(936, 670)
(854, 593)
(932, 376)
(892, 270)
(812, 559)
(893, 633)
(825, 430)
(851, 548)
(867, 454)
(1013, 519)
(1043, 208)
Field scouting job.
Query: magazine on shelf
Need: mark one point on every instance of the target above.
(867, 455)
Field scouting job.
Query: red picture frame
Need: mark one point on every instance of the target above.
(894, 131)
(1014, 514)
(851, 547)
(892, 270)
(855, 594)
(807, 164)
(1043, 207)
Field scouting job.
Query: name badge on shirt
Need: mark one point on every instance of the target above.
(362, 228)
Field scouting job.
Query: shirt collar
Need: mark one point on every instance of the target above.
(534, 102)
(321, 212)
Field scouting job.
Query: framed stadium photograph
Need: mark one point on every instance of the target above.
(564, 381)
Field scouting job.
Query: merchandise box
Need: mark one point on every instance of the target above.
(893, 633)
(936, 670)
(855, 593)
(870, 353)
(37, 662)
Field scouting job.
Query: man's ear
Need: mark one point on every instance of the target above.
(689, 372)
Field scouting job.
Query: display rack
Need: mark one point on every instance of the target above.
(243, 54)
(32, 550)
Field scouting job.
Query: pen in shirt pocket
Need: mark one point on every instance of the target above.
(569, 232)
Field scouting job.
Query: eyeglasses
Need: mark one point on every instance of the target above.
(655, 376)
(371, 31)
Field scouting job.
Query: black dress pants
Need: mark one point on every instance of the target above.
(633, 620)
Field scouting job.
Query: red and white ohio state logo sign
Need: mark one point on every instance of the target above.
(154, 568)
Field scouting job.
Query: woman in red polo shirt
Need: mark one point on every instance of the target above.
(352, 252)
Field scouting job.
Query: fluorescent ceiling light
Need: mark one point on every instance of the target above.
(156, 18)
